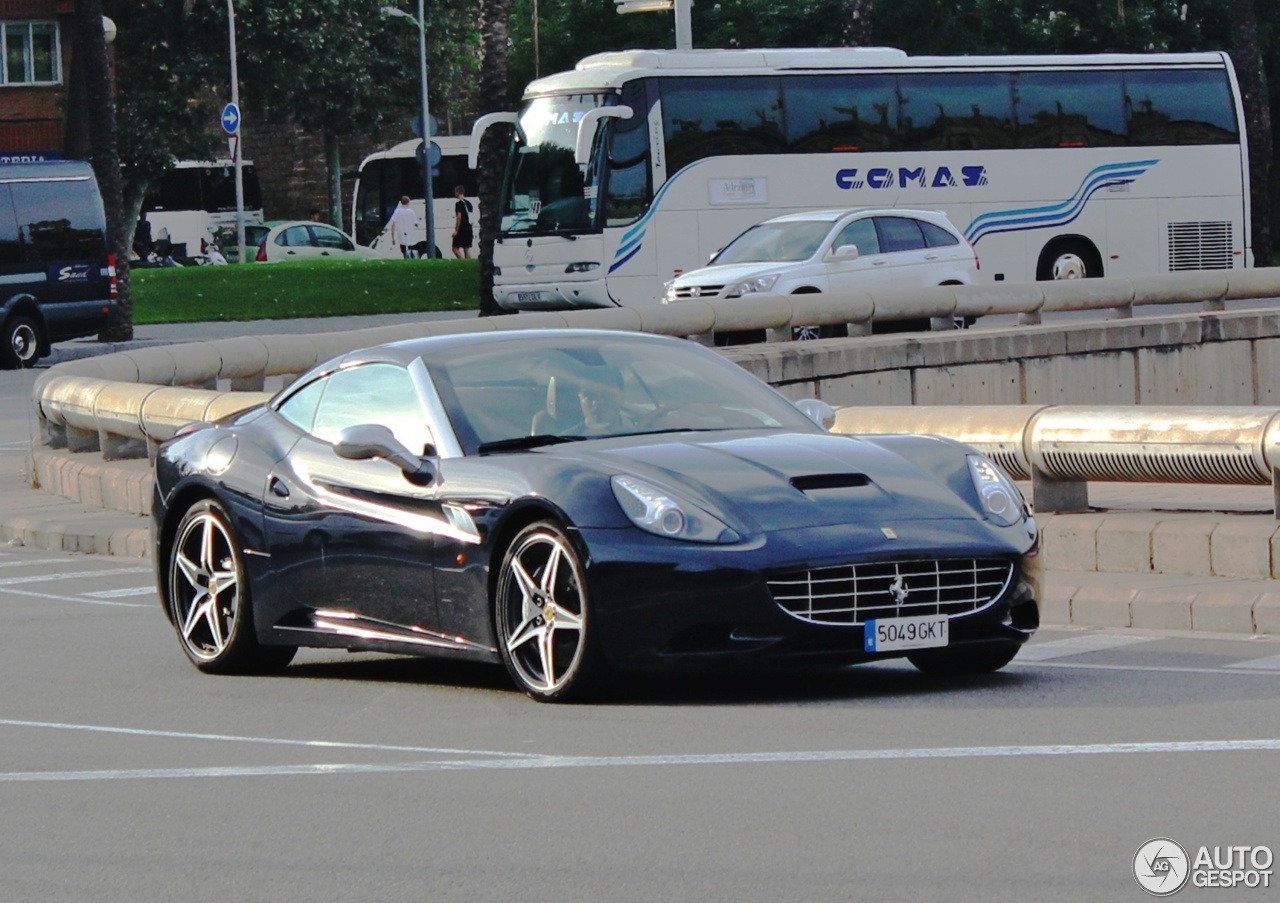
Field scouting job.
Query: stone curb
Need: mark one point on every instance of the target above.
(1155, 602)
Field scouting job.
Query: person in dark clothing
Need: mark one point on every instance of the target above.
(462, 236)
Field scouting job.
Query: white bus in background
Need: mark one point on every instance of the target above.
(386, 176)
(639, 165)
(196, 200)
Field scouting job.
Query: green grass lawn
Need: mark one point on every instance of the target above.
(326, 288)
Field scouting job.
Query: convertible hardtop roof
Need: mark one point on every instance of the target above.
(406, 350)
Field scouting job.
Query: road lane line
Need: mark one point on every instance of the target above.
(1223, 671)
(5, 591)
(30, 562)
(1270, 663)
(272, 741)
(551, 762)
(1079, 645)
(121, 593)
(71, 575)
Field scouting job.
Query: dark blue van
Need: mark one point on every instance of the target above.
(57, 280)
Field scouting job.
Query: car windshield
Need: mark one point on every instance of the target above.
(795, 240)
(513, 393)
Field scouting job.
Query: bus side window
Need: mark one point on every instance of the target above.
(957, 111)
(841, 113)
(1179, 107)
(710, 117)
(1069, 109)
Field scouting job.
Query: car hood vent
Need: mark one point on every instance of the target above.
(829, 481)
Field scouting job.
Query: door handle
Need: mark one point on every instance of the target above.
(931, 257)
(278, 488)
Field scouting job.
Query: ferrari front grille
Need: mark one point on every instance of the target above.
(849, 595)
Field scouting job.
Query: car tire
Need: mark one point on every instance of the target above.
(209, 600)
(952, 662)
(20, 342)
(543, 617)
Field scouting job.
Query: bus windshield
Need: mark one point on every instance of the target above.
(545, 191)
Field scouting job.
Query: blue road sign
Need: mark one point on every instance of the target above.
(231, 119)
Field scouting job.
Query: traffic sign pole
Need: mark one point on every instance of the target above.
(234, 129)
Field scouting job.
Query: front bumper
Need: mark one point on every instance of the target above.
(703, 612)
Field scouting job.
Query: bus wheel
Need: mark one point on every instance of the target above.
(1069, 259)
(20, 343)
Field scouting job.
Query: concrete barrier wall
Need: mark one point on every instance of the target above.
(122, 405)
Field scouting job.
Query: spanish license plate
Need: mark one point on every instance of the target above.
(893, 634)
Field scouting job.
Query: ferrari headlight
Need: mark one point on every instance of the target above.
(660, 512)
(1001, 500)
(751, 286)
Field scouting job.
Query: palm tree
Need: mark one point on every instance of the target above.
(494, 30)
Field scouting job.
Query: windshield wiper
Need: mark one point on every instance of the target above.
(521, 443)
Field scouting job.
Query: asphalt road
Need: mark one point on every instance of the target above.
(127, 775)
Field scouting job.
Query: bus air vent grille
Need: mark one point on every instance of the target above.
(1200, 246)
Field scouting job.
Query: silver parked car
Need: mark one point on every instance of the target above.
(834, 251)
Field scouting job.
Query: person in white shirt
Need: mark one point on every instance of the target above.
(403, 223)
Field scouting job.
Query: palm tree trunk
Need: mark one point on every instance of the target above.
(104, 155)
(1257, 113)
(494, 16)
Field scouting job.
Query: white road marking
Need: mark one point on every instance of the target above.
(1224, 671)
(80, 599)
(855, 755)
(1271, 663)
(272, 741)
(30, 562)
(1079, 645)
(121, 593)
(71, 575)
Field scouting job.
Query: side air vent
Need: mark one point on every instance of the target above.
(829, 481)
(1200, 246)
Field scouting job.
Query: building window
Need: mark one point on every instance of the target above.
(31, 53)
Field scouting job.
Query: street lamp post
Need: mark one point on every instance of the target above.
(428, 194)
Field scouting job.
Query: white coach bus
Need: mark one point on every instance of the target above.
(388, 175)
(639, 165)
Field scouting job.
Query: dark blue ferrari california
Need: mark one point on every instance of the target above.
(578, 504)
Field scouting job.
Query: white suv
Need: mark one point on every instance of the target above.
(834, 251)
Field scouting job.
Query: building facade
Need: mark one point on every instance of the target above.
(36, 38)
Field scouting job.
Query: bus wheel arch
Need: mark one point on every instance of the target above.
(1069, 257)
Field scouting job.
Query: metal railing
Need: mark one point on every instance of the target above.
(125, 404)
(1062, 448)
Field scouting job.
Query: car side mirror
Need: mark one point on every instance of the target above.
(818, 411)
(365, 441)
(845, 252)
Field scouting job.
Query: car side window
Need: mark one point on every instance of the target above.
(860, 232)
(330, 238)
(300, 407)
(372, 393)
(936, 236)
(899, 233)
(294, 237)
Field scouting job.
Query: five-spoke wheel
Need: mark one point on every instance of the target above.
(542, 616)
(209, 597)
